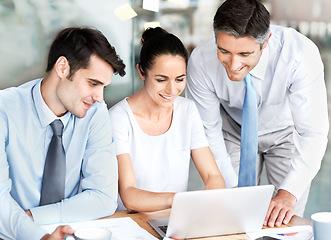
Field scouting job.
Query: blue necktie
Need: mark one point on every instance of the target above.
(52, 190)
(249, 138)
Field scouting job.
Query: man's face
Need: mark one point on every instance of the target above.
(85, 87)
(238, 55)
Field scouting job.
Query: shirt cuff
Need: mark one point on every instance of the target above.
(296, 183)
(228, 173)
(46, 214)
(30, 231)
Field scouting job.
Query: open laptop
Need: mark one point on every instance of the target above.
(215, 212)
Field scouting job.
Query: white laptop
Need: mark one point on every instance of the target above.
(215, 212)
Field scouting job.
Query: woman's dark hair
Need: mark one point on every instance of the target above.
(78, 44)
(242, 18)
(156, 42)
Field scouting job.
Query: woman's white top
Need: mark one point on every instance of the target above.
(160, 163)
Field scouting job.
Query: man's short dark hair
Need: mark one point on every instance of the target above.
(78, 44)
(242, 18)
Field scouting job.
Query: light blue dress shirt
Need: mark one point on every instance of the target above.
(290, 89)
(24, 138)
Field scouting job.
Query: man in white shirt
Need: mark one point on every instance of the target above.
(287, 74)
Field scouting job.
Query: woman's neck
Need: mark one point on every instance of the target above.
(152, 118)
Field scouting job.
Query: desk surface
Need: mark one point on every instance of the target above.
(142, 218)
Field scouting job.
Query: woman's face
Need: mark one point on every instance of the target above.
(166, 79)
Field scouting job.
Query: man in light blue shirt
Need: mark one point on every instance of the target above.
(81, 63)
(287, 74)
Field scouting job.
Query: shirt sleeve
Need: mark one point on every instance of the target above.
(199, 88)
(99, 179)
(308, 102)
(120, 123)
(198, 137)
(14, 222)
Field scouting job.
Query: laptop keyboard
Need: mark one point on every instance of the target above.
(164, 228)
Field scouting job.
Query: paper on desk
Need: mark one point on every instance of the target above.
(304, 232)
(121, 228)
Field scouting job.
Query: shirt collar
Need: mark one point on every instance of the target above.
(45, 115)
(259, 70)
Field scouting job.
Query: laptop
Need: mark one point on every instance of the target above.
(207, 213)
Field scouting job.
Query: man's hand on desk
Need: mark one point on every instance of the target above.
(281, 209)
(59, 233)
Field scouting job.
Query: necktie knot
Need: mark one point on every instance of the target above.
(250, 94)
(57, 127)
(248, 79)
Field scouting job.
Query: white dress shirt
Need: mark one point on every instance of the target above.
(290, 88)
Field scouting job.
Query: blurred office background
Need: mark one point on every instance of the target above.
(27, 28)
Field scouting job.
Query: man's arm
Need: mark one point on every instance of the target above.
(99, 179)
(199, 89)
(310, 115)
(14, 222)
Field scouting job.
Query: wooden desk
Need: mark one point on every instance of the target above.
(142, 218)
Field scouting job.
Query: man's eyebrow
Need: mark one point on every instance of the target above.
(96, 81)
(247, 52)
(222, 49)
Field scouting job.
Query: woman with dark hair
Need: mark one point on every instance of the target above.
(156, 131)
